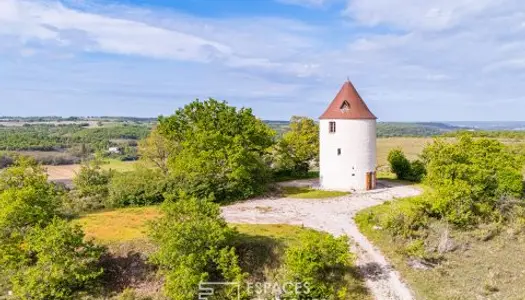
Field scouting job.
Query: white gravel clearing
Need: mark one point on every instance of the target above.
(334, 216)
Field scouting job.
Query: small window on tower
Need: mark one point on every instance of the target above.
(338, 151)
(332, 127)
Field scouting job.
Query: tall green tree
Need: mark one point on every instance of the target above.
(220, 150)
(155, 150)
(299, 147)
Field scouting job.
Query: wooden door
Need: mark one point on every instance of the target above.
(369, 180)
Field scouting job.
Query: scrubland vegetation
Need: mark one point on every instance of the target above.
(455, 241)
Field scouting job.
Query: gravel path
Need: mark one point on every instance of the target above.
(335, 216)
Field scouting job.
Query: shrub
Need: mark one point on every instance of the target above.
(399, 164)
(319, 262)
(193, 242)
(92, 181)
(470, 176)
(140, 187)
(58, 263)
(415, 248)
(403, 217)
(404, 169)
(42, 256)
(417, 171)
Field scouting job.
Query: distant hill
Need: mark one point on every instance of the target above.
(419, 129)
(389, 129)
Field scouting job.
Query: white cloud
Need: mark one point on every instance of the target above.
(416, 14)
(49, 20)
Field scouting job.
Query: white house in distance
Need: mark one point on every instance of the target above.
(347, 158)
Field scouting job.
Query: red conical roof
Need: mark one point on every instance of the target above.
(348, 105)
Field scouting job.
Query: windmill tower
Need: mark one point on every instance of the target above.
(347, 143)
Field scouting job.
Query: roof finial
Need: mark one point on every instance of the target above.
(347, 78)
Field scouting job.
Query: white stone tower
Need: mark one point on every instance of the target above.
(347, 143)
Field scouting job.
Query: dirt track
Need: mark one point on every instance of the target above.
(336, 217)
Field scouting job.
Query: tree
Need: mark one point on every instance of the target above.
(92, 184)
(156, 149)
(299, 147)
(193, 242)
(220, 150)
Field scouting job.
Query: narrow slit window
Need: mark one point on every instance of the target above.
(338, 151)
(332, 127)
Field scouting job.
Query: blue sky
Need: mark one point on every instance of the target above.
(411, 60)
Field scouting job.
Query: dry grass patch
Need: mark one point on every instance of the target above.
(117, 226)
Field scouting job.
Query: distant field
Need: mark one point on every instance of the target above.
(411, 146)
(68, 172)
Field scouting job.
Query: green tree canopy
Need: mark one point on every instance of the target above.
(220, 150)
(299, 146)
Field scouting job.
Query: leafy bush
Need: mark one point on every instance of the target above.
(399, 164)
(220, 150)
(418, 171)
(403, 168)
(415, 248)
(470, 176)
(26, 199)
(42, 256)
(193, 242)
(92, 180)
(56, 264)
(140, 187)
(319, 261)
(401, 218)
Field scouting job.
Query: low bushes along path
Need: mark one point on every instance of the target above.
(335, 216)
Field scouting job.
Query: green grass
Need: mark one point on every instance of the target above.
(309, 175)
(285, 233)
(118, 165)
(309, 193)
